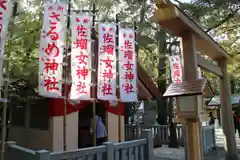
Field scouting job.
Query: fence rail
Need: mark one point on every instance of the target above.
(209, 138)
(161, 134)
(17, 152)
(141, 149)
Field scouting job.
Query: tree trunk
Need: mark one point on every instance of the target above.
(162, 107)
(165, 108)
(127, 112)
(173, 143)
(232, 84)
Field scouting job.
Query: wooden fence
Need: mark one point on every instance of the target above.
(140, 149)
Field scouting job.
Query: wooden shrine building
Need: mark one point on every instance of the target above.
(33, 127)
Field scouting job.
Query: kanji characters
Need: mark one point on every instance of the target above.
(107, 38)
(108, 62)
(128, 61)
(81, 30)
(51, 66)
(176, 66)
(81, 56)
(128, 54)
(107, 89)
(82, 72)
(50, 46)
(128, 66)
(108, 49)
(129, 76)
(51, 84)
(128, 44)
(176, 69)
(81, 43)
(177, 73)
(107, 58)
(81, 88)
(177, 80)
(107, 75)
(128, 87)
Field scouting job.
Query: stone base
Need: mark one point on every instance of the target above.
(231, 157)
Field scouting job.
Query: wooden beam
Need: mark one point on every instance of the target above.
(143, 93)
(178, 23)
(149, 84)
(188, 51)
(227, 116)
(208, 66)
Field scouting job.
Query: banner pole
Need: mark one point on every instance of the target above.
(5, 105)
(136, 50)
(66, 79)
(118, 82)
(94, 75)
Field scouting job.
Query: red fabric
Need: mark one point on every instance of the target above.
(114, 110)
(56, 107)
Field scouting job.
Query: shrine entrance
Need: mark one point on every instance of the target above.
(195, 43)
(85, 138)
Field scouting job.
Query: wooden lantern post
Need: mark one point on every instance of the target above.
(194, 39)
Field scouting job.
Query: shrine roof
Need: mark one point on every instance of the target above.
(215, 101)
(148, 84)
(186, 88)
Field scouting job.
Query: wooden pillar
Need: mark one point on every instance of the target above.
(226, 110)
(193, 126)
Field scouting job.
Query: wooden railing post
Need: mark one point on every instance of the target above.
(184, 134)
(110, 150)
(214, 138)
(43, 155)
(204, 145)
(148, 148)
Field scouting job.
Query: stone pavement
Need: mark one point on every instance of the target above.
(165, 153)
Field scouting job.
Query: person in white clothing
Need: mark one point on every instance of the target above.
(101, 132)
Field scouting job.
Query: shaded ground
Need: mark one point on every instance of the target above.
(165, 153)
